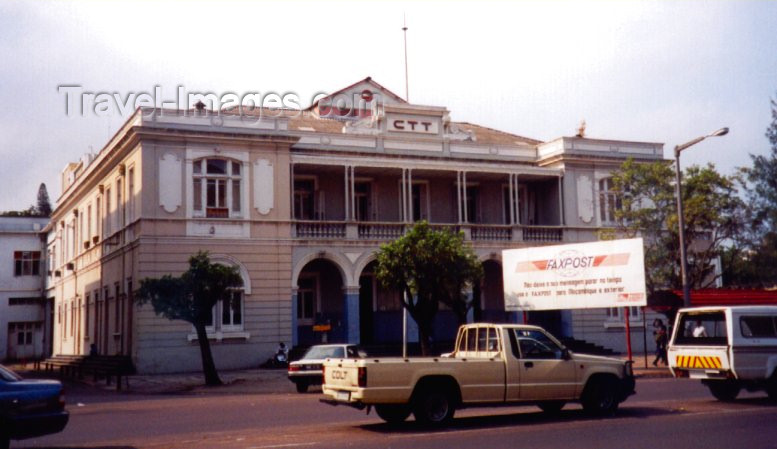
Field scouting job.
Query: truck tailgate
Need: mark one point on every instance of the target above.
(699, 362)
(341, 374)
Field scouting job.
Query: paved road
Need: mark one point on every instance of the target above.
(665, 413)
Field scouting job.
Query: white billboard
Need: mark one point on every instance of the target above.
(609, 273)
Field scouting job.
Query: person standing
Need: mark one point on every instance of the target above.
(661, 338)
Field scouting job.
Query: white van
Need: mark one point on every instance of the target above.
(727, 348)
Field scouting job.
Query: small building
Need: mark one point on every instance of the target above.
(300, 201)
(25, 323)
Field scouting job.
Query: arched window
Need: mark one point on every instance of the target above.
(227, 314)
(217, 188)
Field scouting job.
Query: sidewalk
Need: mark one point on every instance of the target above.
(252, 381)
(640, 371)
(248, 381)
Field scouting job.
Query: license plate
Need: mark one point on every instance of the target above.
(343, 395)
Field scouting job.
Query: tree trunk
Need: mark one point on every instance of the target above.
(208, 366)
(424, 340)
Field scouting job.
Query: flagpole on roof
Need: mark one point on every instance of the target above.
(404, 31)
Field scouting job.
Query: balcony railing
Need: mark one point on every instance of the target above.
(491, 232)
(314, 229)
(320, 229)
(381, 231)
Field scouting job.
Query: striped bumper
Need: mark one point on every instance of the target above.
(698, 362)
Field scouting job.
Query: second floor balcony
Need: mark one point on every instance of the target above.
(379, 204)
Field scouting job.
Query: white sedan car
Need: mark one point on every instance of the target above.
(307, 370)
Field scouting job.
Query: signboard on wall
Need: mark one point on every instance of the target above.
(578, 276)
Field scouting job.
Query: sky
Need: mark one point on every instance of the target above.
(655, 71)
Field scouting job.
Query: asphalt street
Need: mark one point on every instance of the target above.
(665, 413)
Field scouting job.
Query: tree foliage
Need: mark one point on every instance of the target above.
(43, 206)
(191, 297)
(713, 215)
(429, 267)
(647, 201)
(753, 262)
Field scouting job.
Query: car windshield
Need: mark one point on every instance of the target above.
(8, 375)
(323, 352)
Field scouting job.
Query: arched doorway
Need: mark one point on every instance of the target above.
(380, 310)
(320, 306)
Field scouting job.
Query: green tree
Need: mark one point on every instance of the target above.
(648, 208)
(646, 203)
(754, 262)
(191, 297)
(429, 267)
(44, 206)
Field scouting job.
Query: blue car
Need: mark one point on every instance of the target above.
(29, 408)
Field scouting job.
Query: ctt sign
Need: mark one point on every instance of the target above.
(578, 276)
(412, 124)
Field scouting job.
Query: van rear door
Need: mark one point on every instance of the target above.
(700, 346)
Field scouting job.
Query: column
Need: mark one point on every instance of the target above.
(561, 200)
(294, 336)
(351, 314)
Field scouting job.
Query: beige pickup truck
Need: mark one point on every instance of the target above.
(492, 364)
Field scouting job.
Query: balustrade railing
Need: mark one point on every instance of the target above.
(491, 232)
(393, 230)
(320, 229)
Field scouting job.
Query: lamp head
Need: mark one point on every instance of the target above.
(720, 132)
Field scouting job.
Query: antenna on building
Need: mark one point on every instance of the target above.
(404, 31)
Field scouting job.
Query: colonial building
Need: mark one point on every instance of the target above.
(25, 321)
(300, 201)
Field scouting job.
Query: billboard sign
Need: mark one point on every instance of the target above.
(608, 273)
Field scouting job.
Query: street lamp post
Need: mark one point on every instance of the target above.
(680, 218)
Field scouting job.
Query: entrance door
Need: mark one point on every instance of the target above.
(366, 301)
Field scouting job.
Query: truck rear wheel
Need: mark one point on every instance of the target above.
(600, 396)
(393, 413)
(724, 390)
(434, 406)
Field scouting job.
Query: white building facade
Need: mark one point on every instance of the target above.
(300, 202)
(25, 324)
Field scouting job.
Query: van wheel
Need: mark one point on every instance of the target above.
(551, 407)
(393, 413)
(724, 390)
(434, 406)
(302, 387)
(600, 397)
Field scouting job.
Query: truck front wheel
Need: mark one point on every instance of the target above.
(393, 413)
(724, 390)
(434, 406)
(600, 396)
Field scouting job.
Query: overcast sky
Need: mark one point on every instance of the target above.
(657, 71)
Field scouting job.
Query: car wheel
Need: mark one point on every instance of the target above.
(434, 406)
(393, 413)
(551, 407)
(724, 390)
(600, 396)
(302, 387)
(5, 441)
